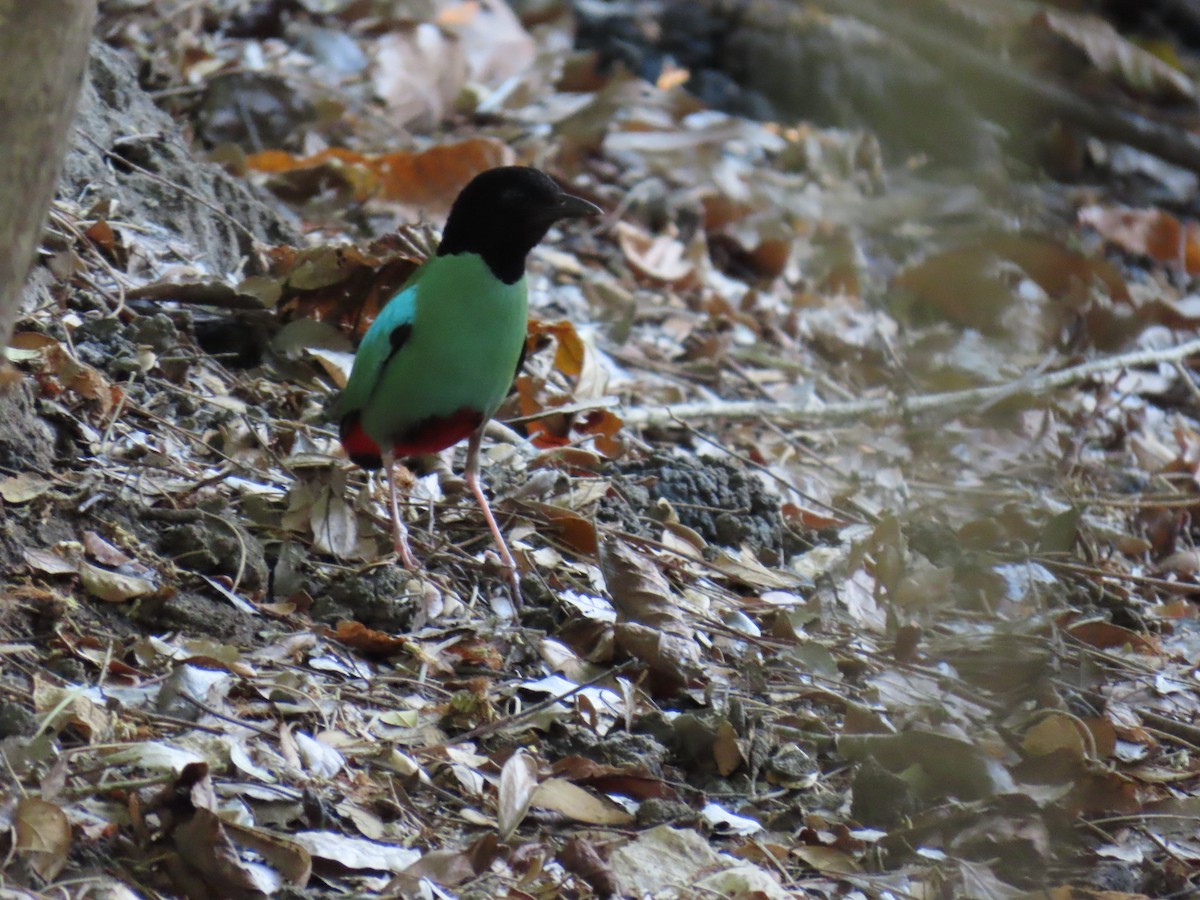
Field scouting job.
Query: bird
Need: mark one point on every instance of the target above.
(443, 352)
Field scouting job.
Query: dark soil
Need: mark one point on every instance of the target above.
(719, 499)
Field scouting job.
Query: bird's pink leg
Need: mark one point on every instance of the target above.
(472, 476)
(399, 529)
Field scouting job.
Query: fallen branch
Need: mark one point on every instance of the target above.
(948, 403)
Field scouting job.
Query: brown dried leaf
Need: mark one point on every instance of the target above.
(638, 589)
(673, 660)
(604, 425)
(204, 847)
(1134, 68)
(966, 284)
(827, 860)
(1107, 636)
(43, 835)
(746, 569)
(1053, 733)
(580, 857)
(571, 528)
(569, 355)
(546, 431)
(103, 552)
(727, 750)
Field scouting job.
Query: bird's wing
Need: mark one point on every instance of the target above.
(386, 335)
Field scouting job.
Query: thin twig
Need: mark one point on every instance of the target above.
(946, 403)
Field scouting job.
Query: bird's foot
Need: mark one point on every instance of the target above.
(406, 556)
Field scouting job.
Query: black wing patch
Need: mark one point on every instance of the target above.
(399, 337)
(521, 359)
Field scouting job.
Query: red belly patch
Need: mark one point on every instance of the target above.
(438, 432)
(431, 435)
(357, 443)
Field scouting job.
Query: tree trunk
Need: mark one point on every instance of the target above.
(43, 54)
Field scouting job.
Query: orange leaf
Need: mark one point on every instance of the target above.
(568, 358)
(1106, 636)
(547, 431)
(604, 424)
(430, 179)
(1147, 232)
(102, 235)
(575, 531)
(366, 640)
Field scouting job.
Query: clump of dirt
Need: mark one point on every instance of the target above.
(26, 442)
(378, 597)
(663, 810)
(619, 748)
(109, 344)
(197, 615)
(213, 544)
(881, 799)
(717, 498)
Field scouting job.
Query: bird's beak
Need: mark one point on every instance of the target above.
(572, 207)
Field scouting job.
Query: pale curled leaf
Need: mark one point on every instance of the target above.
(49, 562)
(356, 853)
(746, 568)
(660, 258)
(518, 781)
(103, 552)
(743, 881)
(155, 756)
(113, 587)
(334, 525)
(577, 804)
(661, 859)
(320, 760)
(23, 487)
(722, 820)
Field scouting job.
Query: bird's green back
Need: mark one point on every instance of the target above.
(467, 331)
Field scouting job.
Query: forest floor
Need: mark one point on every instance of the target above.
(851, 485)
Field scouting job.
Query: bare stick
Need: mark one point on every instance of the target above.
(948, 403)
